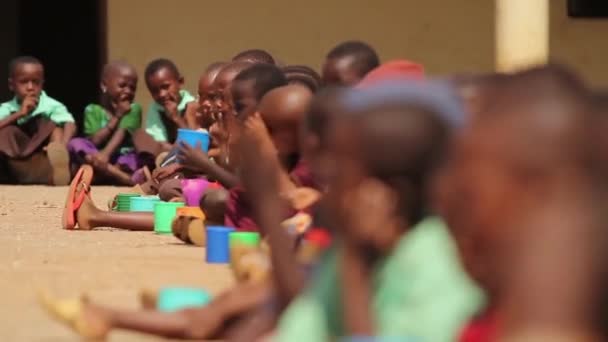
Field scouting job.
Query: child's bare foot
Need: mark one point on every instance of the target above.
(78, 314)
(85, 213)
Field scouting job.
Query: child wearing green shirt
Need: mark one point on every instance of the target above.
(31, 123)
(108, 126)
(171, 107)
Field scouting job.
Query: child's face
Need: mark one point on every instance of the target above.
(339, 72)
(243, 99)
(121, 84)
(220, 95)
(27, 80)
(364, 208)
(284, 133)
(205, 85)
(479, 200)
(164, 86)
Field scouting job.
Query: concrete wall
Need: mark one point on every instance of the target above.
(445, 35)
(582, 43)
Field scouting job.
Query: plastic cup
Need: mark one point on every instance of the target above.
(164, 213)
(245, 238)
(193, 190)
(192, 137)
(218, 249)
(143, 203)
(178, 298)
(123, 201)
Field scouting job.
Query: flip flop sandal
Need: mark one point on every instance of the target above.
(80, 187)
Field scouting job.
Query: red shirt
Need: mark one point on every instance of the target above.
(482, 328)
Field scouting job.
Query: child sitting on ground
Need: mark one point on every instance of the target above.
(518, 158)
(171, 107)
(276, 129)
(108, 127)
(348, 62)
(393, 271)
(29, 122)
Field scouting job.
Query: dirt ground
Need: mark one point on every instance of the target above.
(109, 265)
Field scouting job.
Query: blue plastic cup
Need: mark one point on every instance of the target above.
(143, 203)
(192, 138)
(218, 244)
(178, 298)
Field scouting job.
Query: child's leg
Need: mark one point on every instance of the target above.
(196, 323)
(213, 203)
(88, 217)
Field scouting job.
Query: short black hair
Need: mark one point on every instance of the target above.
(265, 76)
(365, 57)
(254, 56)
(304, 75)
(161, 63)
(15, 62)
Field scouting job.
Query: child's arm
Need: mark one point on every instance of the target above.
(117, 138)
(195, 159)
(69, 131)
(27, 106)
(104, 134)
(261, 180)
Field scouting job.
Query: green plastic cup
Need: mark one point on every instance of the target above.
(245, 238)
(164, 213)
(123, 201)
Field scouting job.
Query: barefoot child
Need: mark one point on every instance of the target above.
(204, 99)
(348, 62)
(108, 127)
(397, 265)
(32, 122)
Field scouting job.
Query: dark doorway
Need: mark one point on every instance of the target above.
(69, 37)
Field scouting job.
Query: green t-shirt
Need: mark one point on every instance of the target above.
(420, 293)
(47, 107)
(96, 118)
(154, 123)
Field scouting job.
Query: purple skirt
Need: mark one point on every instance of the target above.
(80, 147)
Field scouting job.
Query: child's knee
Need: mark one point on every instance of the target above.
(213, 203)
(170, 189)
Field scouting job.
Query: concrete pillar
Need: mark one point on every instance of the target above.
(522, 34)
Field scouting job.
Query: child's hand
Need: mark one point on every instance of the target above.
(219, 134)
(121, 108)
(193, 158)
(171, 108)
(257, 134)
(302, 198)
(367, 213)
(28, 105)
(162, 173)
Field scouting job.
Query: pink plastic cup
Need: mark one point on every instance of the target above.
(193, 190)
